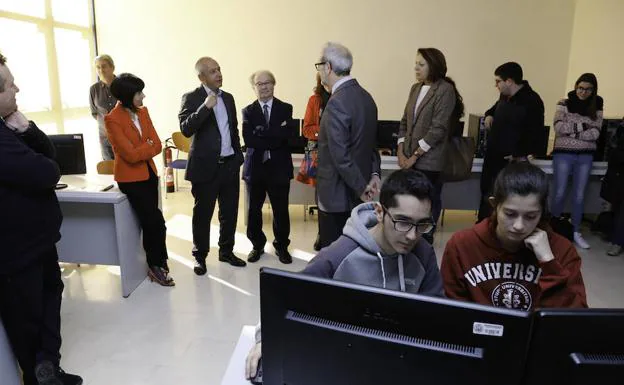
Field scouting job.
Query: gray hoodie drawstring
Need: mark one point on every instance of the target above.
(383, 271)
(401, 274)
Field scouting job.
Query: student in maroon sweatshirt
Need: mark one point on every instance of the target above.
(513, 259)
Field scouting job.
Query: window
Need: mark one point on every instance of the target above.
(50, 46)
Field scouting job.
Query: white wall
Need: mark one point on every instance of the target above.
(161, 40)
(598, 47)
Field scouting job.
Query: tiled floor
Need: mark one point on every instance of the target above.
(185, 335)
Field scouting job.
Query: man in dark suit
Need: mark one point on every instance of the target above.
(268, 165)
(31, 289)
(348, 161)
(208, 115)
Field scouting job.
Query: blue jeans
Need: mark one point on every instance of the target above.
(580, 166)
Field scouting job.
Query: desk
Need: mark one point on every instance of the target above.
(464, 195)
(9, 372)
(100, 228)
(235, 372)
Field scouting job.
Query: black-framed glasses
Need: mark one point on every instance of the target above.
(319, 64)
(583, 89)
(422, 227)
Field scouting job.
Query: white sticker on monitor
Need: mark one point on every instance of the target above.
(488, 329)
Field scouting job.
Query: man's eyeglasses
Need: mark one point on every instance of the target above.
(422, 227)
(319, 65)
(263, 84)
(583, 89)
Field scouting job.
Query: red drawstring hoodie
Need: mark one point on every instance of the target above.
(476, 268)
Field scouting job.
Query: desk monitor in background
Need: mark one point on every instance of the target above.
(387, 135)
(70, 154)
(577, 347)
(296, 141)
(318, 331)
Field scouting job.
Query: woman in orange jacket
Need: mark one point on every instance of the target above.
(135, 142)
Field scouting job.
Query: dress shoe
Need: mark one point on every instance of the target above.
(68, 378)
(254, 255)
(47, 374)
(232, 260)
(200, 267)
(317, 243)
(283, 255)
(160, 276)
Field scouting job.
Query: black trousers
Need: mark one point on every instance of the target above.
(143, 197)
(30, 308)
(278, 195)
(225, 188)
(330, 226)
(492, 165)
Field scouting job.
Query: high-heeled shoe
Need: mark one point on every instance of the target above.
(160, 276)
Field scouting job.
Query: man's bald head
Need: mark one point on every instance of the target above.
(209, 73)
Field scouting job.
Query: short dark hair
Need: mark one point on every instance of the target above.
(124, 87)
(510, 70)
(522, 178)
(405, 182)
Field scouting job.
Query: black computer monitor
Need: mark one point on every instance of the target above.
(296, 141)
(387, 135)
(577, 347)
(70, 154)
(318, 331)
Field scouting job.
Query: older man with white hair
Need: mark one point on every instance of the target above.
(267, 124)
(348, 162)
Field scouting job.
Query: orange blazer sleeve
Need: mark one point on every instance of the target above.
(152, 134)
(122, 145)
(311, 119)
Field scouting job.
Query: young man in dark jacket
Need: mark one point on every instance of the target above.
(381, 245)
(513, 123)
(30, 278)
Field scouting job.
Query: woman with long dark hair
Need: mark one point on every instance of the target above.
(311, 129)
(432, 113)
(578, 120)
(513, 259)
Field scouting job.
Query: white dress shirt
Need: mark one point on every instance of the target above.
(222, 121)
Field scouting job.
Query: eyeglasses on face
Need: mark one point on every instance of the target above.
(422, 227)
(263, 84)
(583, 89)
(319, 65)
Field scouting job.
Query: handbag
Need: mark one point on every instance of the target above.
(459, 155)
(308, 167)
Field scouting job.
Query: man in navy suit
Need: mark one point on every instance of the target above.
(268, 165)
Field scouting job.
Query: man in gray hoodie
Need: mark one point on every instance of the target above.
(380, 246)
